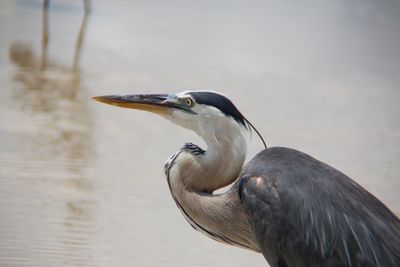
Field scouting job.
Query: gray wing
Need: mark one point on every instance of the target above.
(305, 213)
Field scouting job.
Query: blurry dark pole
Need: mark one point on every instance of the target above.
(45, 35)
(79, 41)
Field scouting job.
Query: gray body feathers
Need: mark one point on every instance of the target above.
(306, 213)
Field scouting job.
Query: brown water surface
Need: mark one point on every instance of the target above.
(82, 184)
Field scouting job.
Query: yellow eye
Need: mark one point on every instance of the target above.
(189, 102)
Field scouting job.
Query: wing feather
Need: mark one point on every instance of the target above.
(306, 213)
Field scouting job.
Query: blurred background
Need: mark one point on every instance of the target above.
(82, 184)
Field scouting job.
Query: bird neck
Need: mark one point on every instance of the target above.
(193, 175)
(219, 166)
(192, 179)
(218, 216)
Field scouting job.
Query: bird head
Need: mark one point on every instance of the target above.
(209, 114)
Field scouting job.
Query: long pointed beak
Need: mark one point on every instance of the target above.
(156, 103)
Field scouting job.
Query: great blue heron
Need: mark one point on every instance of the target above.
(294, 209)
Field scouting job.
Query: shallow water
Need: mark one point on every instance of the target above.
(82, 184)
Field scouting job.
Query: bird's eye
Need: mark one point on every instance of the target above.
(189, 102)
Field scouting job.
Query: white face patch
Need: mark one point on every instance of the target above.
(206, 120)
(182, 94)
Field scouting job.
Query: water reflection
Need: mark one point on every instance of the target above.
(54, 145)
